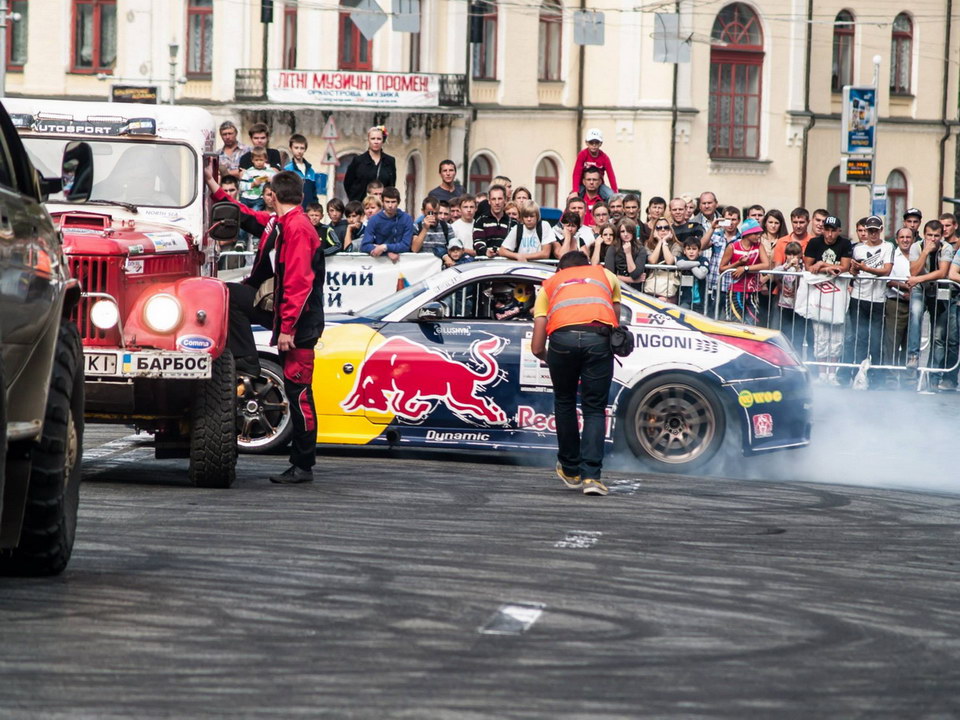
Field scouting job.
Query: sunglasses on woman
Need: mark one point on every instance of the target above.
(661, 227)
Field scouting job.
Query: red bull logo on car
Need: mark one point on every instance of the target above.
(410, 380)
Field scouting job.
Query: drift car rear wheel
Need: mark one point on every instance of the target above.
(675, 423)
(50, 517)
(213, 442)
(263, 411)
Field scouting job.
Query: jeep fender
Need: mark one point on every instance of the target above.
(204, 306)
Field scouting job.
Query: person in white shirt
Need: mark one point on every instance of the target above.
(463, 226)
(531, 239)
(872, 259)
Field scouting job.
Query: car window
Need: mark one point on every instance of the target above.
(508, 299)
(387, 305)
(7, 173)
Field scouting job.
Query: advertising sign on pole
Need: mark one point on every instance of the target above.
(878, 200)
(858, 120)
(856, 170)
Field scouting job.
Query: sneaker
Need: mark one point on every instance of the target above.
(594, 487)
(947, 385)
(913, 362)
(293, 476)
(571, 481)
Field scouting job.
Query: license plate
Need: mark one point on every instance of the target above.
(95, 363)
(166, 365)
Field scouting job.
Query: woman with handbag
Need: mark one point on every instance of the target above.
(664, 284)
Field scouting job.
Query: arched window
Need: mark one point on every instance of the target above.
(289, 37)
(551, 27)
(838, 197)
(546, 182)
(480, 175)
(736, 65)
(901, 54)
(896, 201)
(843, 30)
(483, 24)
(410, 180)
(355, 52)
(342, 166)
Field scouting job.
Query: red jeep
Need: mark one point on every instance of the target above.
(152, 317)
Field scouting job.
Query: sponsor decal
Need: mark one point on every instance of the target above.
(194, 343)
(410, 380)
(748, 399)
(133, 267)
(167, 241)
(529, 419)
(676, 342)
(762, 425)
(447, 330)
(435, 436)
(642, 318)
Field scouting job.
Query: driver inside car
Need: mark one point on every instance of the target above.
(511, 301)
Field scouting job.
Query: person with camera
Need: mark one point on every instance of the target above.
(577, 309)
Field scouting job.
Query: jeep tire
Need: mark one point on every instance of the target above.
(213, 440)
(50, 515)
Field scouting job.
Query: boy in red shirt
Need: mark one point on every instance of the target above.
(592, 156)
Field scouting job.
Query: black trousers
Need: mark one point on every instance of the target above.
(243, 316)
(580, 360)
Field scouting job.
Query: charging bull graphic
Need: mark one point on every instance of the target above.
(409, 379)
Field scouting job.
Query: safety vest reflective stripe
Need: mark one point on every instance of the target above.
(579, 296)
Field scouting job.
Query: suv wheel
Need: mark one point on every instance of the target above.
(50, 517)
(213, 441)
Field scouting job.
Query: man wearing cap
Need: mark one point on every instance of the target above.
(593, 157)
(872, 259)
(912, 219)
(829, 254)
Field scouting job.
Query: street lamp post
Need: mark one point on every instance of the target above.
(174, 50)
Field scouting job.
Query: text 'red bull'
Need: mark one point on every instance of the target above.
(529, 418)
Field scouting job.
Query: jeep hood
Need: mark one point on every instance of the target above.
(86, 233)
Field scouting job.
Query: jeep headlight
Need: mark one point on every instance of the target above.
(162, 313)
(104, 314)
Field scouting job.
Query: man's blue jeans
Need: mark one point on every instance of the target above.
(919, 304)
(946, 341)
(580, 359)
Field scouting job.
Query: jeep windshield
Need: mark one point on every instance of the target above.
(127, 173)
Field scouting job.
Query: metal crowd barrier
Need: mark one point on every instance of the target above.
(911, 335)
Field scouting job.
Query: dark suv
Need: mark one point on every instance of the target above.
(41, 408)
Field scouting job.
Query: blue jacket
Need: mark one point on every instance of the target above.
(309, 182)
(396, 232)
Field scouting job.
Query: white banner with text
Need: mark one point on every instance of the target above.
(335, 87)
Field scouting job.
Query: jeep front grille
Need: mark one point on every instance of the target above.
(96, 274)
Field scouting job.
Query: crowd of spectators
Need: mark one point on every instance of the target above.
(742, 265)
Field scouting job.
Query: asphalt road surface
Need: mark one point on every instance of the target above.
(434, 588)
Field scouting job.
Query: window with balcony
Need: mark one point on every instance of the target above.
(94, 36)
(199, 38)
(843, 37)
(289, 37)
(17, 36)
(736, 66)
(551, 27)
(901, 55)
(484, 38)
(355, 52)
(480, 175)
(838, 197)
(546, 182)
(896, 202)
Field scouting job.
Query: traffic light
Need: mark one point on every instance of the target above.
(266, 11)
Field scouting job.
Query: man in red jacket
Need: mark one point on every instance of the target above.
(298, 319)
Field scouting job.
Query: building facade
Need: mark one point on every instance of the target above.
(752, 113)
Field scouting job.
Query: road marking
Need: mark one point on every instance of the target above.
(579, 539)
(512, 619)
(111, 448)
(624, 487)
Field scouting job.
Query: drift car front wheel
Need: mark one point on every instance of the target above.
(263, 410)
(213, 442)
(675, 423)
(50, 516)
